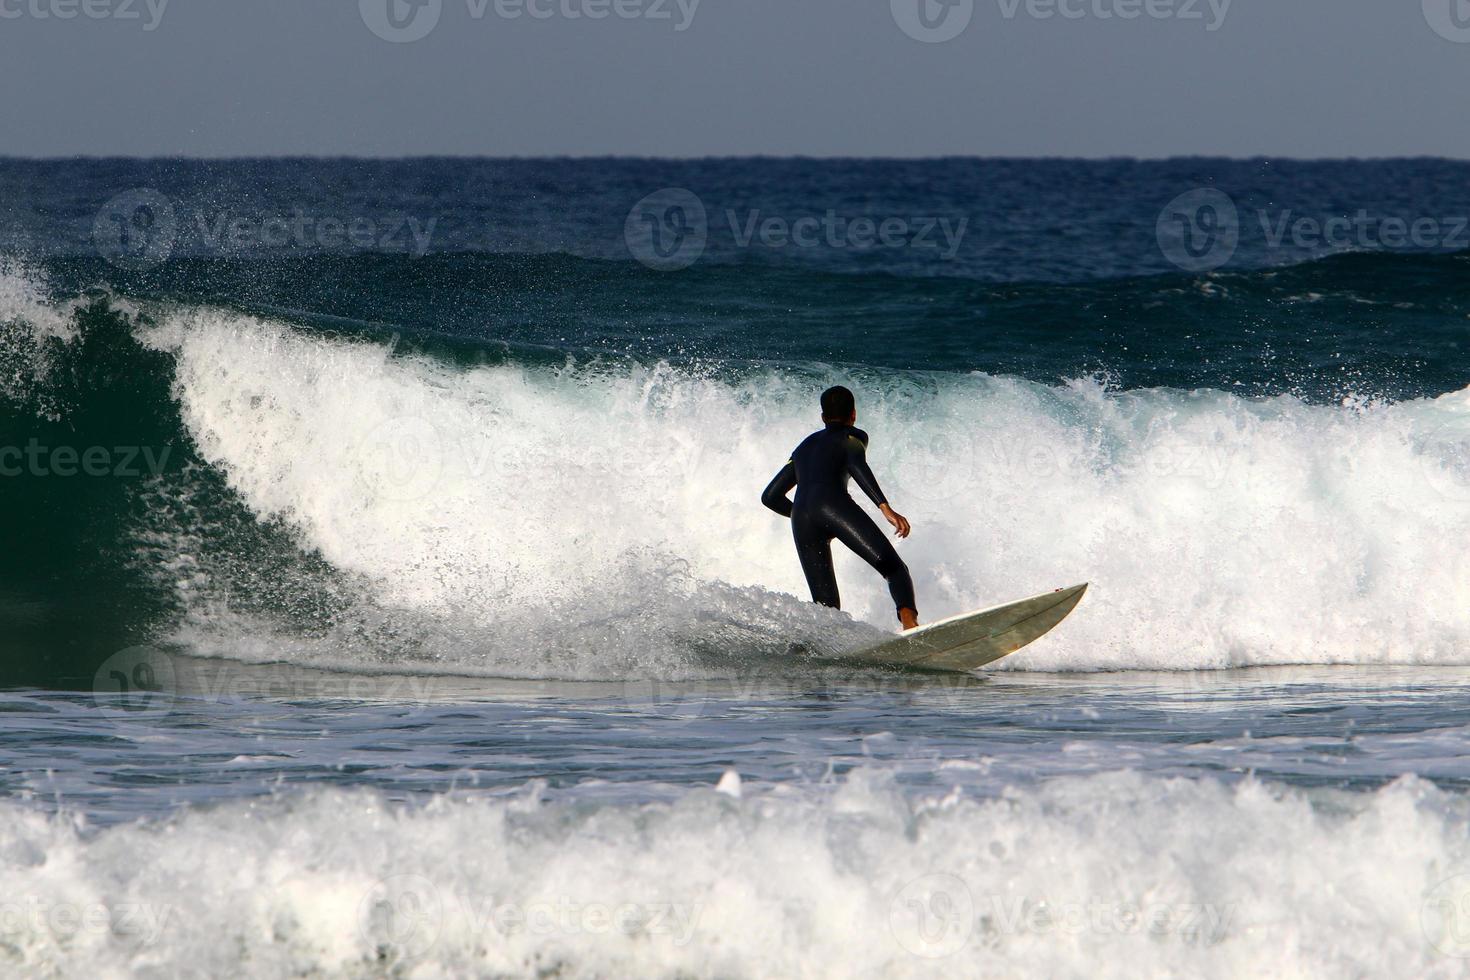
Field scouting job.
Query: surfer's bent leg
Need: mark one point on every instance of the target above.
(856, 530)
(814, 548)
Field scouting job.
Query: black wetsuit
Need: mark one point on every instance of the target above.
(819, 470)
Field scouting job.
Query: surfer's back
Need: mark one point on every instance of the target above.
(823, 461)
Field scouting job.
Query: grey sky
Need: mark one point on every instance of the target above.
(1305, 78)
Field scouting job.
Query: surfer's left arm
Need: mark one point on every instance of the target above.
(862, 474)
(776, 491)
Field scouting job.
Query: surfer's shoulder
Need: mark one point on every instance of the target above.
(855, 433)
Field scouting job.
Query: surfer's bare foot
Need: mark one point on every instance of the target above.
(909, 618)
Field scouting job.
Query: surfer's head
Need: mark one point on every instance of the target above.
(838, 405)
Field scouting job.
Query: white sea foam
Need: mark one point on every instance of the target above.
(1216, 530)
(32, 327)
(1107, 875)
(25, 302)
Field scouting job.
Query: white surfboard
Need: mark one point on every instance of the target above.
(970, 640)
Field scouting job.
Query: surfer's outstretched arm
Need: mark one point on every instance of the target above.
(857, 467)
(862, 475)
(775, 493)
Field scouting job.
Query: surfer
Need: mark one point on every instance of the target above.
(819, 470)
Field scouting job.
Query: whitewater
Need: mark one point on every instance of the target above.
(438, 630)
(1218, 531)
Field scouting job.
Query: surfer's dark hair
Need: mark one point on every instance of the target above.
(838, 404)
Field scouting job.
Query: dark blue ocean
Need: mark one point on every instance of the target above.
(384, 589)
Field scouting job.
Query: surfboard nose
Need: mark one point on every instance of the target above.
(1069, 597)
(972, 640)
